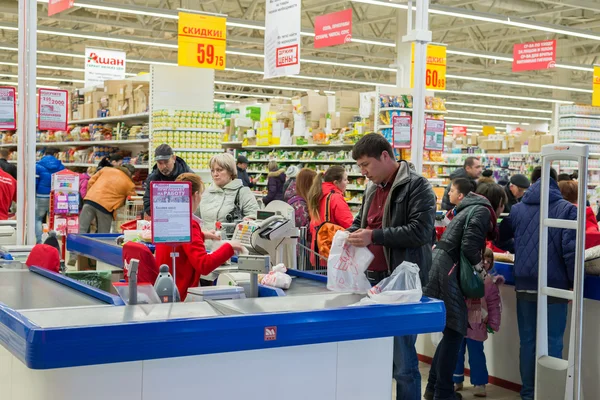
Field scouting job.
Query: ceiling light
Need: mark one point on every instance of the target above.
(457, 103)
(260, 96)
(485, 121)
(475, 126)
(226, 101)
(246, 71)
(508, 96)
(499, 115)
(353, 82)
(256, 85)
(469, 54)
(516, 83)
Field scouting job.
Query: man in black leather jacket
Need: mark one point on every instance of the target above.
(396, 223)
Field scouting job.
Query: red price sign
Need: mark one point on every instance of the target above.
(435, 72)
(201, 41)
(206, 55)
(52, 113)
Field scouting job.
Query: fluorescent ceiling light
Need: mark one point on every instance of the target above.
(457, 103)
(507, 96)
(475, 126)
(260, 96)
(498, 115)
(226, 101)
(257, 85)
(516, 83)
(56, 68)
(354, 82)
(17, 84)
(246, 71)
(469, 54)
(485, 121)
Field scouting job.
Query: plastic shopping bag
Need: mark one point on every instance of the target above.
(346, 266)
(403, 286)
(277, 278)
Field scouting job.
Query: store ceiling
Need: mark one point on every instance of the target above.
(478, 48)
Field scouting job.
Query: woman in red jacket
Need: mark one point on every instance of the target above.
(569, 191)
(332, 184)
(193, 260)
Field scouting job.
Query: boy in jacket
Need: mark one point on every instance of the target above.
(44, 169)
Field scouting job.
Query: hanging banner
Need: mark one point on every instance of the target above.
(103, 65)
(333, 29)
(435, 72)
(533, 56)
(435, 129)
(57, 6)
(402, 131)
(202, 41)
(171, 212)
(52, 106)
(282, 38)
(8, 108)
(459, 130)
(596, 87)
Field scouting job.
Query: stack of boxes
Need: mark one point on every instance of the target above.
(510, 143)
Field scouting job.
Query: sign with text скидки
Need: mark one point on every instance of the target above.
(534, 55)
(103, 65)
(171, 204)
(52, 106)
(8, 108)
(333, 29)
(435, 69)
(402, 128)
(435, 130)
(282, 38)
(202, 41)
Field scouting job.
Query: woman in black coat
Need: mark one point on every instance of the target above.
(444, 278)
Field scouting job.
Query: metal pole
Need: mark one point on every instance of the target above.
(26, 126)
(174, 255)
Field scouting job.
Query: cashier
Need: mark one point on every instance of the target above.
(193, 260)
(8, 193)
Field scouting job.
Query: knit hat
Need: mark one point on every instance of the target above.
(520, 181)
(45, 257)
(487, 173)
(292, 171)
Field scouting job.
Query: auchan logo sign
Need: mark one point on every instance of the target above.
(103, 65)
(95, 58)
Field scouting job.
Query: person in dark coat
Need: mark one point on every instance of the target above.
(515, 190)
(396, 222)
(5, 165)
(472, 169)
(44, 169)
(275, 183)
(444, 282)
(242, 172)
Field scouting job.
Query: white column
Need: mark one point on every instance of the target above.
(26, 122)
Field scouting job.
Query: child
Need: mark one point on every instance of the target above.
(484, 315)
(275, 183)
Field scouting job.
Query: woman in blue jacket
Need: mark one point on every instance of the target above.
(44, 169)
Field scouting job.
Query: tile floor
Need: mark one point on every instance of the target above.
(493, 392)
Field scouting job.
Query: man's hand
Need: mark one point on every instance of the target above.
(361, 238)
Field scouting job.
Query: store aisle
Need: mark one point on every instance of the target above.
(493, 392)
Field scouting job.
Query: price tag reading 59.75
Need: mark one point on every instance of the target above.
(206, 55)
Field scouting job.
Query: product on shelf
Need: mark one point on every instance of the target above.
(185, 119)
(579, 109)
(188, 139)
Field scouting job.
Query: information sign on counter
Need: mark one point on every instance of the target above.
(202, 41)
(435, 73)
(52, 105)
(333, 29)
(435, 129)
(402, 129)
(534, 56)
(171, 212)
(8, 108)
(596, 87)
(282, 38)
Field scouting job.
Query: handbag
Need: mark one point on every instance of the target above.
(471, 283)
(325, 232)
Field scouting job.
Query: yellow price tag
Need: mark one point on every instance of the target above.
(202, 41)
(596, 87)
(435, 73)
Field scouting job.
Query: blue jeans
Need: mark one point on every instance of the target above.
(477, 363)
(443, 365)
(527, 321)
(42, 207)
(406, 368)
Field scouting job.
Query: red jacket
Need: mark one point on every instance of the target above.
(592, 233)
(193, 260)
(8, 193)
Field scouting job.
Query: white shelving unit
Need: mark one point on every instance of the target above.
(303, 161)
(121, 118)
(298, 147)
(199, 150)
(95, 143)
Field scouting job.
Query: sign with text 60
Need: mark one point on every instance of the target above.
(202, 41)
(435, 73)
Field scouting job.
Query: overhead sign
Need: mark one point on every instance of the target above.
(282, 38)
(202, 41)
(171, 212)
(103, 65)
(534, 56)
(459, 130)
(57, 6)
(52, 105)
(8, 108)
(596, 87)
(333, 29)
(435, 69)
(435, 130)
(402, 131)
(488, 130)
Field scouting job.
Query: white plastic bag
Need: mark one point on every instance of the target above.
(277, 278)
(403, 286)
(346, 266)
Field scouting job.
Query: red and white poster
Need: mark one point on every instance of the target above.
(435, 130)
(534, 56)
(459, 130)
(52, 106)
(56, 6)
(333, 29)
(282, 38)
(171, 212)
(8, 108)
(402, 129)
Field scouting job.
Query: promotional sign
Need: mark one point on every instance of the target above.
(56, 6)
(333, 29)
(52, 106)
(435, 130)
(596, 87)
(534, 55)
(202, 40)
(103, 65)
(282, 38)
(402, 132)
(488, 130)
(459, 130)
(171, 212)
(8, 108)
(435, 73)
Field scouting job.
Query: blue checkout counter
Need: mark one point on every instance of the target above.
(62, 339)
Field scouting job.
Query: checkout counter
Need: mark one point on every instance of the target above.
(309, 344)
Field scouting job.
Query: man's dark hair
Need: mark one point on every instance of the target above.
(464, 186)
(4, 153)
(372, 145)
(537, 174)
(494, 193)
(564, 177)
(469, 161)
(51, 151)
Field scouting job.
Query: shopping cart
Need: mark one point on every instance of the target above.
(127, 215)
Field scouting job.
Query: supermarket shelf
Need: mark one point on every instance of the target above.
(94, 142)
(200, 150)
(231, 144)
(261, 183)
(120, 118)
(355, 188)
(198, 171)
(294, 146)
(384, 127)
(579, 128)
(207, 130)
(355, 175)
(8, 145)
(12, 161)
(305, 161)
(354, 203)
(577, 169)
(411, 110)
(141, 166)
(579, 141)
(579, 116)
